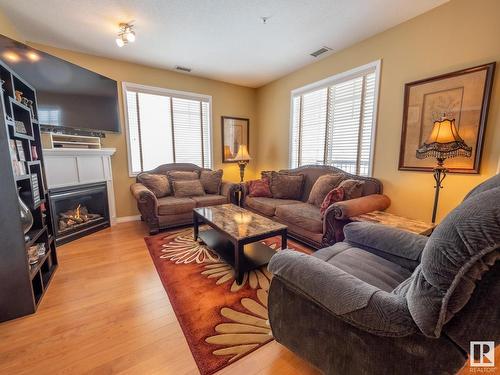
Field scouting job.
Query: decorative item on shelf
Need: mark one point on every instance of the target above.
(18, 166)
(25, 101)
(20, 150)
(26, 216)
(34, 153)
(443, 143)
(242, 157)
(41, 249)
(235, 132)
(33, 254)
(19, 95)
(20, 128)
(32, 109)
(35, 189)
(464, 96)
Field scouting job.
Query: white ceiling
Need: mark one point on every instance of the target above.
(218, 39)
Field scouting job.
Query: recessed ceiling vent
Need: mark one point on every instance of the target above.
(183, 69)
(321, 51)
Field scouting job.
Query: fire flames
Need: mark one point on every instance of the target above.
(76, 217)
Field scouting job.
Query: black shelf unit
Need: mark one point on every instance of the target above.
(22, 285)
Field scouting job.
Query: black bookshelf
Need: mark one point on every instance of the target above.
(22, 285)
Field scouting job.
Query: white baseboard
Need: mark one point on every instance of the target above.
(125, 219)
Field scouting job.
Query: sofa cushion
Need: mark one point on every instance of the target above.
(259, 188)
(209, 200)
(303, 215)
(173, 206)
(286, 186)
(183, 175)
(211, 181)
(188, 188)
(267, 206)
(352, 188)
(323, 185)
(366, 266)
(157, 183)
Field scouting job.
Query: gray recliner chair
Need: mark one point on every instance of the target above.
(386, 301)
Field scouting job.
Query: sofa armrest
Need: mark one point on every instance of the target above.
(343, 295)
(386, 241)
(229, 189)
(345, 209)
(142, 194)
(147, 203)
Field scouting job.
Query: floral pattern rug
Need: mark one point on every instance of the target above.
(221, 320)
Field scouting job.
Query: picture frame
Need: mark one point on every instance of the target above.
(235, 132)
(463, 95)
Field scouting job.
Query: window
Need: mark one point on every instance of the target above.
(333, 121)
(165, 126)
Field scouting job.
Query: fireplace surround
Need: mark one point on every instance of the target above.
(78, 211)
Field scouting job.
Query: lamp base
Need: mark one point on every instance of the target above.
(439, 176)
(242, 165)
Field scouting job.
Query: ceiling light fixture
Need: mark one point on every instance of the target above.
(126, 34)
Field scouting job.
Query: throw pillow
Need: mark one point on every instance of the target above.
(352, 189)
(188, 188)
(259, 188)
(157, 183)
(335, 195)
(211, 181)
(183, 175)
(322, 186)
(266, 174)
(286, 186)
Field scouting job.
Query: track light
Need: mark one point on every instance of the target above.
(125, 34)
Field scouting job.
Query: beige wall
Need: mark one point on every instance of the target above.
(227, 99)
(457, 35)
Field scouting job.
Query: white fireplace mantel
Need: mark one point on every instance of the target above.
(70, 167)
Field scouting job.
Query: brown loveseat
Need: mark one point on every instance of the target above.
(171, 211)
(304, 220)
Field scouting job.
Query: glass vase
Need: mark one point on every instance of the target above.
(26, 216)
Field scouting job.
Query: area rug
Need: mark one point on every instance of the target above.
(221, 320)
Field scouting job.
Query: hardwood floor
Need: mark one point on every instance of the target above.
(106, 312)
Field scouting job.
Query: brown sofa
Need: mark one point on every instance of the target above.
(170, 211)
(304, 220)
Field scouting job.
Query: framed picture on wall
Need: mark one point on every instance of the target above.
(235, 132)
(463, 96)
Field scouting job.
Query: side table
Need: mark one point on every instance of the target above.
(391, 220)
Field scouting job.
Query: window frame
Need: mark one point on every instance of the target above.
(374, 66)
(129, 86)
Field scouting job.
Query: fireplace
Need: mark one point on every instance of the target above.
(78, 211)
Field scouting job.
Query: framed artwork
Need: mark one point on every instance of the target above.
(235, 132)
(464, 96)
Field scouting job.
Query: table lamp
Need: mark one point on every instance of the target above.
(242, 157)
(443, 143)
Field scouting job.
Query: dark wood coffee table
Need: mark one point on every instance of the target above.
(235, 236)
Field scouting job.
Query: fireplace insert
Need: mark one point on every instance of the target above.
(78, 211)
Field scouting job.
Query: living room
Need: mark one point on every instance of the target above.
(278, 187)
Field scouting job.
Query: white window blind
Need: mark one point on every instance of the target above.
(165, 127)
(333, 122)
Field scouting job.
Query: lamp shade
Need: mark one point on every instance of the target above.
(242, 154)
(444, 142)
